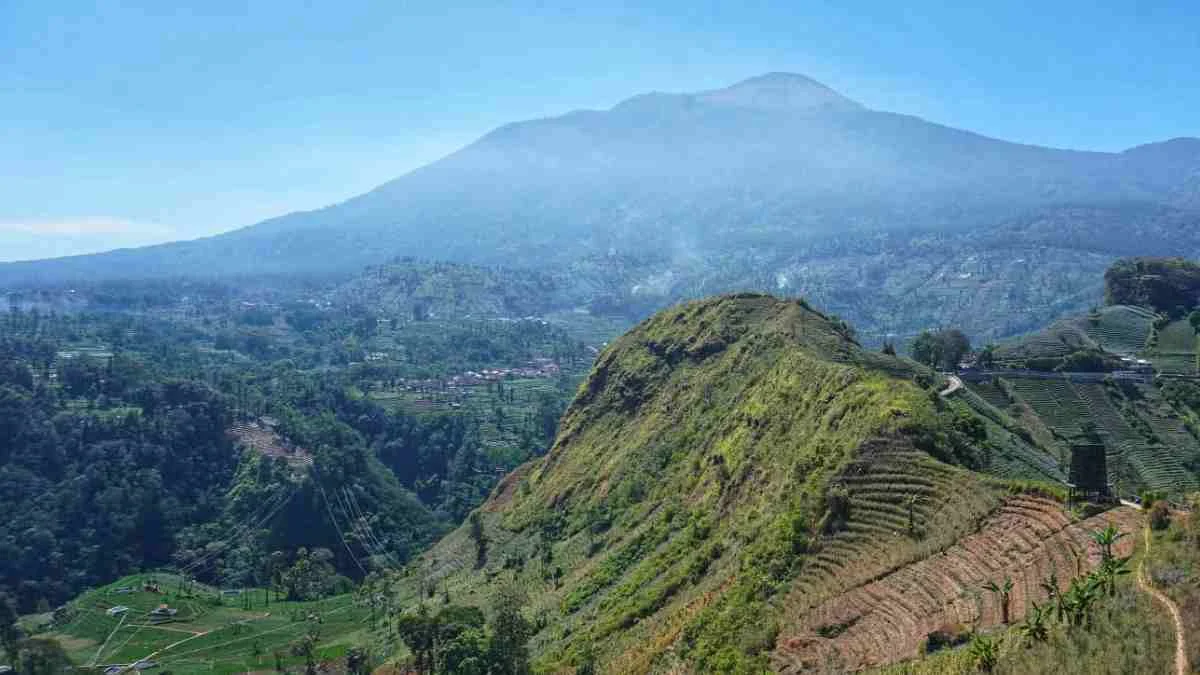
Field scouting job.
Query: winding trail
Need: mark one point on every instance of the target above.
(1181, 659)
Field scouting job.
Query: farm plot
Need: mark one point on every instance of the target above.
(1055, 401)
(1012, 456)
(888, 619)
(1134, 460)
(1174, 364)
(1125, 447)
(208, 631)
(946, 503)
(1175, 351)
(1177, 337)
(1120, 329)
(990, 393)
(1055, 341)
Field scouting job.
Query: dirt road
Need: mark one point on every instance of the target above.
(1181, 659)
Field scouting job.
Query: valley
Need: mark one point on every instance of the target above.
(748, 379)
(737, 485)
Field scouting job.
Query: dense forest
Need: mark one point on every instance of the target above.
(119, 412)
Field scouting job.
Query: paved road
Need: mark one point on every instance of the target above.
(953, 384)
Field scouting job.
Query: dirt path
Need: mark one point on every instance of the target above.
(173, 630)
(151, 656)
(1181, 660)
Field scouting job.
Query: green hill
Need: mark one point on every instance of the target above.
(719, 453)
(737, 487)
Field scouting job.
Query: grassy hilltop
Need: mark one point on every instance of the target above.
(693, 479)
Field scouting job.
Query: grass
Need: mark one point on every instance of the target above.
(1173, 566)
(685, 488)
(1175, 349)
(209, 633)
(1120, 329)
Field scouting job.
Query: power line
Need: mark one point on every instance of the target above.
(370, 529)
(333, 520)
(272, 507)
(359, 525)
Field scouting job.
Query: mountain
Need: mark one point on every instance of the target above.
(730, 477)
(756, 185)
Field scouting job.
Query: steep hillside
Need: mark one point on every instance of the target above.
(726, 465)
(1112, 376)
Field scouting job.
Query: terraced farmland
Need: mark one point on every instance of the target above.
(1174, 364)
(948, 504)
(1055, 401)
(1060, 339)
(1012, 456)
(1175, 351)
(1177, 337)
(887, 619)
(1134, 460)
(990, 393)
(1120, 329)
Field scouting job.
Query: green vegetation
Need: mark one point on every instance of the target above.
(1148, 446)
(1174, 350)
(1127, 633)
(208, 631)
(726, 469)
(1167, 285)
(1120, 329)
(691, 483)
(207, 432)
(1173, 566)
(943, 349)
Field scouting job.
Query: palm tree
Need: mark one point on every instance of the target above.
(986, 653)
(1108, 572)
(1106, 538)
(1003, 593)
(1050, 585)
(1034, 629)
(1080, 598)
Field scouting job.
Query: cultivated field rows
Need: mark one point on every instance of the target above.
(888, 619)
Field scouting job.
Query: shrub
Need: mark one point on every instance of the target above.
(948, 635)
(1160, 516)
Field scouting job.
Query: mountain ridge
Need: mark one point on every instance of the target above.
(723, 190)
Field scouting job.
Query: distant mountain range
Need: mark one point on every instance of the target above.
(776, 183)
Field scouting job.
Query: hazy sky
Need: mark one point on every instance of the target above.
(133, 122)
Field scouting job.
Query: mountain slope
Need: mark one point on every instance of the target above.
(703, 466)
(777, 157)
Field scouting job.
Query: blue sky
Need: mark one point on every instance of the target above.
(125, 123)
